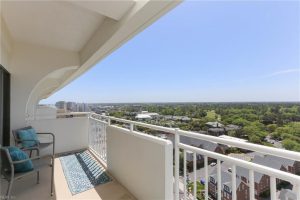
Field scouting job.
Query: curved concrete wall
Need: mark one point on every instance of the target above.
(28, 65)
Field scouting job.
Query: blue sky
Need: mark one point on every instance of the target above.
(202, 51)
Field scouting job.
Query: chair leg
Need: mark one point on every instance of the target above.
(52, 176)
(9, 189)
(30, 153)
(38, 177)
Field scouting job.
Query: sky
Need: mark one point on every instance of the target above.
(202, 51)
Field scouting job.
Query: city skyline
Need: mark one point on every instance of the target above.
(215, 52)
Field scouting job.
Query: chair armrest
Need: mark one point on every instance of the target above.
(34, 158)
(53, 136)
(53, 140)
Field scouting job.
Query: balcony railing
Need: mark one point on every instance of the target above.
(98, 125)
(97, 138)
(98, 144)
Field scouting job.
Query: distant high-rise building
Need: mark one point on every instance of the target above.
(61, 105)
(83, 107)
(72, 106)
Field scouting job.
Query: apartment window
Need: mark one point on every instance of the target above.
(4, 107)
(226, 188)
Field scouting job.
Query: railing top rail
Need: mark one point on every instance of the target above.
(245, 164)
(72, 113)
(145, 125)
(243, 145)
(98, 120)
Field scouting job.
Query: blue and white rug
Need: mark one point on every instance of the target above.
(83, 172)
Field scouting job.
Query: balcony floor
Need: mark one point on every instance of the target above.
(27, 189)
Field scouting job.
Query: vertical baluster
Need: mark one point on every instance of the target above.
(97, 139)
(273, 187)
(94, 138)
(219, 179)
(298, 190)
(195, 175)
(251, 184)
(184, 174)
(105, 142)
(176, 165)
(233, 182)
(89, 133)
(206, 176)
(131, 127)
(102, 141)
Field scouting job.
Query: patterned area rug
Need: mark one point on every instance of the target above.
(83, 172)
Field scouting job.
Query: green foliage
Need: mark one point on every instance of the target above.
(257, 120)
(291, 144)
(211, 115)
(271, 127)
(232, 150)
(265, 194)
(200, 188)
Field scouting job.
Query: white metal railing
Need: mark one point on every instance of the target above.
(252, 167)
(97, 138)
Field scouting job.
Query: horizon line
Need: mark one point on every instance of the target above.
(173, 102)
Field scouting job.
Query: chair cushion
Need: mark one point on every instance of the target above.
(17, 154)
(28, 134)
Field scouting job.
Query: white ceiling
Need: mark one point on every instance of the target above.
(59, 24)
(114, 9)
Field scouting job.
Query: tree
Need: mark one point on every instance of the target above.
(271, 127)
(240, 122)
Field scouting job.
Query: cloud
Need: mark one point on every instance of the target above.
(288, 71)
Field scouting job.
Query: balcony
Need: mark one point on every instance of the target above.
(40, 55)
(142, 165)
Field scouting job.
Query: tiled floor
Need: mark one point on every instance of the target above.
(27, 189)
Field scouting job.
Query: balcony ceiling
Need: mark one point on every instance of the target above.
(64, 25)
(55, 41)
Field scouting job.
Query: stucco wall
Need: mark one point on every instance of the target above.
(142, 163)
(28, 65)
(70, 133)
(5, 44)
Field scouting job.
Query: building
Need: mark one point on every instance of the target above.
(212, 185)
(242, 188)
(261, 181)
(287, 194)
(61, 105)
(145, 115)
(207, 145)
(232, 127)
(214, 125)
(216, 131)
(72, 106)
(291, 166)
